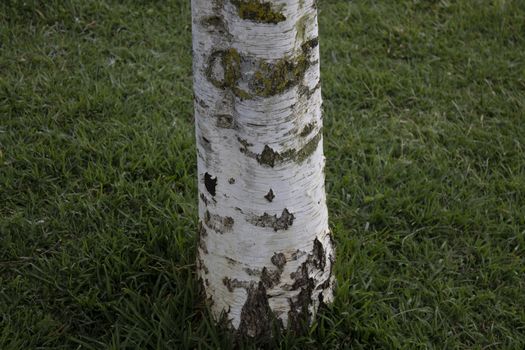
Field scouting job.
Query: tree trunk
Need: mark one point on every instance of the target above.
(265, 251)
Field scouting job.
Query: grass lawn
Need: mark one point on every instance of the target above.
(425, 145)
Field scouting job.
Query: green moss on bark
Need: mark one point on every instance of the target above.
(270, 157)
(274, 78)
(307, 129)
(270, 79)
(230, 62)
(309, 148)
(258, 11)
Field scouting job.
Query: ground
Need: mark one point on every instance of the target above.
(424, 122)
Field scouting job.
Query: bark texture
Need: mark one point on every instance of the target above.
(265, 252)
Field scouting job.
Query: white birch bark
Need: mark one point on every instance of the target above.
(265, 251)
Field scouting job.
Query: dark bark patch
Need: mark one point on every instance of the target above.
(319, 258)
(202, 266)
(279, 260)
(308, 128)
(256, 314)
(215, 24)
(231, 261)
(206, 144)
(225, 121)
(245, 144)
(228, 223)
(201, 233)
(212, 21)
(220, 224)
(231, 181)
(297, 254)
(232, 284)
(270, 278)
(306, 92)
(299, 314)
(204, 199)
(200, 102)
(309, 148)
(300, 277)
(202, 245)
(258, 11)
(268, 156)
(228, 283)
(308, 45)
(277, 223)
(252, 272)
(244, 149)
(201, 230)
(210, 183)
(325, 284)
(270, 196)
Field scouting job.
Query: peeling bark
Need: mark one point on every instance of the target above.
(264, 252)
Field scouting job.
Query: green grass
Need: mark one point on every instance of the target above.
(424, 138)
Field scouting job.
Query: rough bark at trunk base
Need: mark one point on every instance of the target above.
(265, 252)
